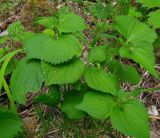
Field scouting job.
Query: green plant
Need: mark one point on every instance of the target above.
(55, 56)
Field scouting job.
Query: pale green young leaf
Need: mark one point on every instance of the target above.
(131, 118)
(154, 19)
(134, 12)
(27, 77)
(70, 23)
(15, 30)
(45, 47)
(66, 23)
(68, 106)
(49, 31)
(149, 3)
(63, 74)
(100, 80)
(10, 124)
(139, 39)
(97, 104)
(3, 39)
(48, 22)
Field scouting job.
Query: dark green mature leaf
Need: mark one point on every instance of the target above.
(71, 100)
(97, 104)
(10, 124)
(71, 23)
(51, 99)
(129, 74)
(102, 27)
(154, 19)
(63, 74)
(97, 54)
(55, 51)
(27, 77)
(131, 119)
(150, 3)
(101, 11)
(139, 39)
(100, 80)
(126, 73)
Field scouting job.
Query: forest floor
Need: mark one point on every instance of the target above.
(58, 126)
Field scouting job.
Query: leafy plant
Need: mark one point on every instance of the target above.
(54, 57)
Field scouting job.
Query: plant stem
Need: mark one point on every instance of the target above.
(10, 97)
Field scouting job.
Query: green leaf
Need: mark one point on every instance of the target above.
(139, 39)
(55, 51)
(154, 19)
(6, 59)
(3, 39)
(126, 73)
(150, 3)
(63, 74)
(100, 80)
(15, 30)
(97, 104)
(63, 10)
(2, 52)
(49, 31)
(101, 11)
(68, 106)
(134, 12)
(71, 23)
(102, 27)
(131, 118)
(27, 77)
(51, 99)
(48, 22)
(10, 124)
(97, 54)
(67, 23)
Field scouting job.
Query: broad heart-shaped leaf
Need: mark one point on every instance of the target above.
(69, 72)
(43, 46)
(70, 23)
(100, 80)
(27, 77)
(139, 39)
(68, 106)
(154, 19)
(97, 54)
(126, 73)
(10, 124)
(150, 3)
(131, 119)
(97, 104)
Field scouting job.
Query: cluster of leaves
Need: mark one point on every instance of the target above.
(55, 58)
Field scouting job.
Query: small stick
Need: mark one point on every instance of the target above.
(154, 117)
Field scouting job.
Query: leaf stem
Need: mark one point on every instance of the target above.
(9, 95)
